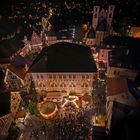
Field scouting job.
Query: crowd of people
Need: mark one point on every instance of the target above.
(75, 125)
(70, 124)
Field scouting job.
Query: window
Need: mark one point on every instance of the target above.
(72, 85)
(113, 46)
(64, 76)
(41, 76)
(115, 72)
(87, 76)
(119, 64)
(53, 85)
(74, 76)
(63, 85)
(127, 52)
(37, 76)
(83, 76)
(95, 16)
(84, 85)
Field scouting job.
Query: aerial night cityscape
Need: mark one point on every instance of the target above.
(70, 70)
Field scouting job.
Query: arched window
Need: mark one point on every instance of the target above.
(72, 85)
(85, 85)
(53, 85)
(62, 85)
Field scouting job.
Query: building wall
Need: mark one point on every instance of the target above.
(52, 40)
(103, 55)
(5, 121)
(123, 72)
(90, 41)
(99, 37)
(78, 82)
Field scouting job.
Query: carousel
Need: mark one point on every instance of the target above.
(47, 109)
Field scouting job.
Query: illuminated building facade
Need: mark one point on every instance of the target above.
(64, 67)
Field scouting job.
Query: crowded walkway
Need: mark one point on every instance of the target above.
(70, 124)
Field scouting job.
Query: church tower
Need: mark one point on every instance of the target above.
(110, 14)
(95, 16)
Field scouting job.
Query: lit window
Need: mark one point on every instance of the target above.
(87, 76)
(64, 76)
(127, 52)
(83, 76)
(41, 76)
(119, 64)
(63, 85)
(53, 85)
(74, 76)
(72, 85)
(37, 76)
(84, 85)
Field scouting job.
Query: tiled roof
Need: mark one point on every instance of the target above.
(64, 57)
(20, 72)
(91, 33)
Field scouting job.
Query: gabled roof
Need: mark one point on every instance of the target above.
(35, 39)
(17, 65)
(20, 72)
(91, 33)
(64, 57)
